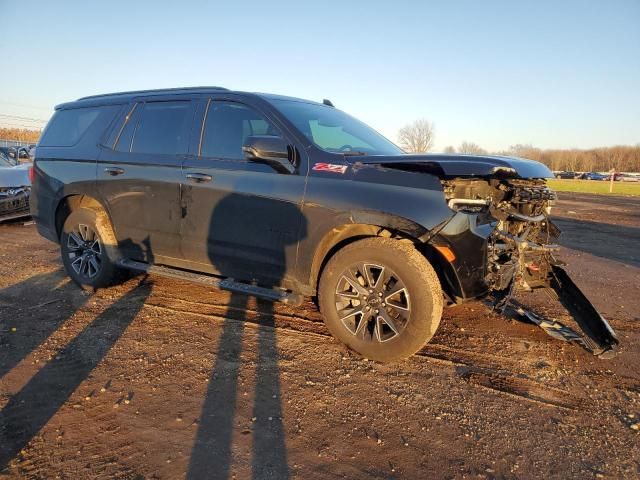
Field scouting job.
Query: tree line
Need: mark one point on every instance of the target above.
(418, 137)
(622, 158)
(20, 134)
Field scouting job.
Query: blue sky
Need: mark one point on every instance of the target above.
(554, 74)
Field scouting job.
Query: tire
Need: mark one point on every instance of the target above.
(408, 300)
(86, 257)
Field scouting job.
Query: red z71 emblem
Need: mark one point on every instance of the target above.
(329, 167)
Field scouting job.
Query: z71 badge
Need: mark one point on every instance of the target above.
(329, 167)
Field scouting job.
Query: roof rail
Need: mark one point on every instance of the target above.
(159, 90)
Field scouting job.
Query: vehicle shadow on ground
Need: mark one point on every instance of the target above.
(211, 456)
(55, 299)
(613, 242)
(37, 402)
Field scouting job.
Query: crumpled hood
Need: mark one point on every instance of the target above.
(17, 176)
(458, 165)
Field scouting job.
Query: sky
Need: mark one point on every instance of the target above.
(554, 74)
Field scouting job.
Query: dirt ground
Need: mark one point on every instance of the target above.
(158, 378)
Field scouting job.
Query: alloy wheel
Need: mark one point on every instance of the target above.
(84, 251)
(372, 302)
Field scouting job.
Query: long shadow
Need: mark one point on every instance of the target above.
(211, 455)
(35, 308)
(269, 447)
(613, 242)
(32, 407)
(263, 258)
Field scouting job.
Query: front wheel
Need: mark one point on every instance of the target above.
(381, 298)
(84, 252)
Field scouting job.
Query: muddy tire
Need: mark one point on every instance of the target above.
(381, 298)
(86, 246)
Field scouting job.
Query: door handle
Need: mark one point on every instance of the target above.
(113, 171)
(199, 177)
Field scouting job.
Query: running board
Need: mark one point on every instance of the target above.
(228, 284)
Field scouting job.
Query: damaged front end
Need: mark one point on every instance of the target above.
(509, 220)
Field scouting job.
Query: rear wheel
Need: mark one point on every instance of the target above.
(381, 297)
(84, 253)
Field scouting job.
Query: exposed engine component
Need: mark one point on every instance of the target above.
(520, 252)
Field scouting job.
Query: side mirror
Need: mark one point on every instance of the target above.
(271, 150)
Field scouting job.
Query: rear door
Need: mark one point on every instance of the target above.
(139, 177)
(240, 218)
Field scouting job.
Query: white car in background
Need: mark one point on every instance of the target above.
(15, 188)
(629, 178)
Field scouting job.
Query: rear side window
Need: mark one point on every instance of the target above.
(67, 126)
(163, 128)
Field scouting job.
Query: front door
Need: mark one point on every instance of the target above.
(241, 219)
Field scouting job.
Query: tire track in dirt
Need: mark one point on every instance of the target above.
(522, 388)
(483, 370)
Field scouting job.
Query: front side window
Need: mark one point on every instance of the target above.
(163, 128)
(228, 125)
(333, 130)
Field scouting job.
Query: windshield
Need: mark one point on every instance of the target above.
(335, 131)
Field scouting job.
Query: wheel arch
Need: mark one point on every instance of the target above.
(72, 202)
(343, 235)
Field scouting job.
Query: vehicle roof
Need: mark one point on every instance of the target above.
(125, 97)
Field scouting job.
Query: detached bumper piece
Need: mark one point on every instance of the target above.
(597, 336)
(14, 203)
(530, 264)
(603, 340)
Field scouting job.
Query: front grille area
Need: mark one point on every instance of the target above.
(15, 205)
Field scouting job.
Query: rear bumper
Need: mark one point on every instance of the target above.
(47, 233)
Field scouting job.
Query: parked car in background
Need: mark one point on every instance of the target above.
(15, 189)
(593, 176)
(566, 175)
(22, 152)
(9, 154)
(625, 177)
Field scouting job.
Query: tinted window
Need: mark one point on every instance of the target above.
(228, 125)
(163, 128)
(67, 126)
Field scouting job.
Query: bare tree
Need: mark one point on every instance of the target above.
(524, 151)
(472, 148)
(417, 137)
(450, 149)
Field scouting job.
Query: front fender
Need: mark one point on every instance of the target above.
(363, 202)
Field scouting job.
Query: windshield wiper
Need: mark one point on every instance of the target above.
(353, 154)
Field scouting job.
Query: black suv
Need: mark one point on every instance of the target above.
(280, 197)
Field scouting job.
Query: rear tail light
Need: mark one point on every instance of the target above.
(32, 174)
